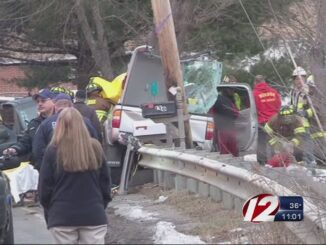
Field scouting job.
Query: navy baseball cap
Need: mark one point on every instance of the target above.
(62, 96)
(44, 94)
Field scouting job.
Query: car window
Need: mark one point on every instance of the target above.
(200, 80)
(27, 111)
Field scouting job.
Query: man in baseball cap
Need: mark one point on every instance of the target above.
(44, 94)
(45, 106)
(62, 96)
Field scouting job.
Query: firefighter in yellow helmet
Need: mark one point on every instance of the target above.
(59, 90)
(95, 100)
(288, 127)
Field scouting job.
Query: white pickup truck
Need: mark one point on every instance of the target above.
(145, 83)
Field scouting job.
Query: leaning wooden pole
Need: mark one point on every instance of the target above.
(164, 28)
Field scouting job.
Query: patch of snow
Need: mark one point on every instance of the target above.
(236, 230)
(165, 233)
(161, 199)
(133, 212)
(250, 158)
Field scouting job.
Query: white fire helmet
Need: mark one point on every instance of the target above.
(311, 81)
(299, 71)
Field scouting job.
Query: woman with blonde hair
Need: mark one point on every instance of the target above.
(74, 185)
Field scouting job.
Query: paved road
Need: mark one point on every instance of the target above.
(29, 226)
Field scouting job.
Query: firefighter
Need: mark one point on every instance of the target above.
(236, 97)
(303, 88)
(289, 127)
(58, 90)
(268, 103)
(95, 100)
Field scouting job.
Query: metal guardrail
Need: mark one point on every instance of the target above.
(227, 183)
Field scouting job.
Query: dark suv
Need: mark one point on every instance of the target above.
(15, 116)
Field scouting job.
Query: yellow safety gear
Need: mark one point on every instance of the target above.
(58, 90)
(300, 105)
(237, 100)
(110, 90)
(102, 115)
(300, 130)
(295, 141)
(268, 129)
(91, 102)
(273, 141)
(286, 110)
(306, 123)
(92, 87)
(319, 134)
(310, 113)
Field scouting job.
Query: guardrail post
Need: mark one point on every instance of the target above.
(168, 180)
(160, 177)
(192, 185)
(155, 176)
(228, 201)
(203, 189)
(180, 183)
(238, 203)
(215, 193)
(125, 174)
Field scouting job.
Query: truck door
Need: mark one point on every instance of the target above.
(246, 124)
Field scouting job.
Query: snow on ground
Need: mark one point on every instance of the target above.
(133, 212)
(250, 158)
(161, 199)
(142, 217)
(165, 233)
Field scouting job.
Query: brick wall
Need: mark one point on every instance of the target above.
(8, 88)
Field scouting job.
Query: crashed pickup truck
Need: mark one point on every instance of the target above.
(145, 83)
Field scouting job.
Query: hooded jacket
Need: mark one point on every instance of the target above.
(268, 102)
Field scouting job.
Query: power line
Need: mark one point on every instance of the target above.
(259, 39)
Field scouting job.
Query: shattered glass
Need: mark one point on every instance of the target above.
(200, 80)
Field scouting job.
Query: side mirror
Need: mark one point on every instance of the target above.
(9, 162)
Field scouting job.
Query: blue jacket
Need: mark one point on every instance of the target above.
(44, 134)
(73, 198)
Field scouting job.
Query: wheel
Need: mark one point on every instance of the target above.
(9, 230)
(114, 156)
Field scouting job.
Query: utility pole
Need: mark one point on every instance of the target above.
(164, 29)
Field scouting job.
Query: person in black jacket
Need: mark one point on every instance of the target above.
(44, 133)
(74, 185)
(225, 113)
(45, 106)
(88, 112)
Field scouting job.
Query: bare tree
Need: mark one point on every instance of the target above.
(97, 41)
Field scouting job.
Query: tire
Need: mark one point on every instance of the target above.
(116, 153)
(9, 232)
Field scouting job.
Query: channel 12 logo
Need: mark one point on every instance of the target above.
(268, 207)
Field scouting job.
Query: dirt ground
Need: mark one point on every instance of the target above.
(192, 215)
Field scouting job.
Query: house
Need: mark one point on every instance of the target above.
(11, 89)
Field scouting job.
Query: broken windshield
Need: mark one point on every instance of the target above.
(201, 78)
